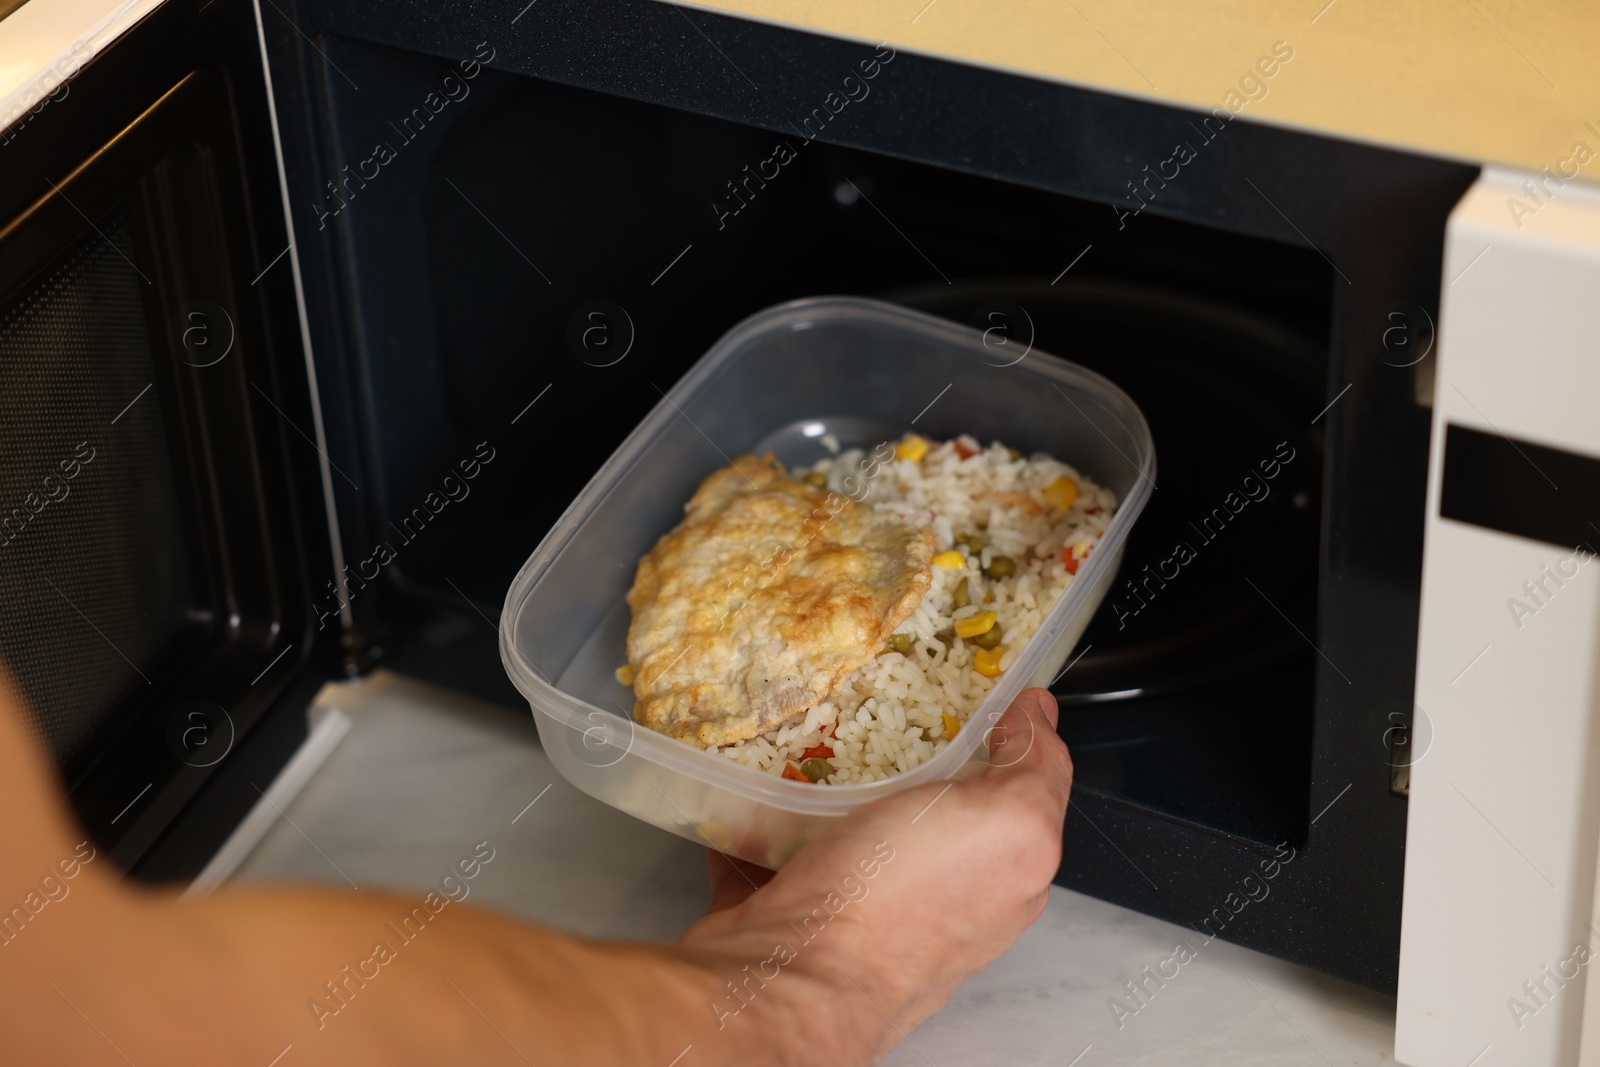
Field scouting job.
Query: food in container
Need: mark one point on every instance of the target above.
(755, 605)
(795, 380)
(841, 625)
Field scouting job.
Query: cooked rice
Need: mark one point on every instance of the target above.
(888, 716)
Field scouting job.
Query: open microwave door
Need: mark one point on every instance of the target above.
(164, 517)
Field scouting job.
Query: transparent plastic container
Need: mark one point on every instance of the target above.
(863, 371)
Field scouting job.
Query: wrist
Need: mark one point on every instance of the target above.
(766, 990)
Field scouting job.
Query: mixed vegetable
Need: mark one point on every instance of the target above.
(983, 628)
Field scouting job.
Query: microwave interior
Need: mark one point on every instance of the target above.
(495, 224)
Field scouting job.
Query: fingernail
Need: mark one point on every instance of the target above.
(1047, 704)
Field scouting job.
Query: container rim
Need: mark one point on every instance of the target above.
(807, 798)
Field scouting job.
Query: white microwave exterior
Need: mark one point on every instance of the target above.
(1504, 814)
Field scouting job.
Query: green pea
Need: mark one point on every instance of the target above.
(901, 643)
(974, 542)
(945, 637)
(989, 638)
(1001, 567)
(816, 768)
(816, 478)
(962, 596)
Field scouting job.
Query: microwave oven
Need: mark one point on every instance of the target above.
(317, 315)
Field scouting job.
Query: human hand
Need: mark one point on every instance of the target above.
(873, 925)
(732, 880)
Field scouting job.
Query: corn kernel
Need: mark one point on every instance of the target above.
(950, 561)
(952, 725)
(624, 674)
(973, 625)
(1061, 493)
(911, 447)
(987, 661)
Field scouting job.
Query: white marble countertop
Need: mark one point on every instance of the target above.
(425, 774)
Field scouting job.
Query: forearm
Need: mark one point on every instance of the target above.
(858, 939)
(344, 976)
(363, 978)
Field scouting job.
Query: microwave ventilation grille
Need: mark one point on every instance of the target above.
(94, 572)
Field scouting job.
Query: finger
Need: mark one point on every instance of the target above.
(1012, 739)
(1024, 739)
(732, 880)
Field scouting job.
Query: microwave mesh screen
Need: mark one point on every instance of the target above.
(94, 583)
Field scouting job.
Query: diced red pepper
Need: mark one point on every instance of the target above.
(820, 750)
(1071, 559)
(964, 450)
(791, 772)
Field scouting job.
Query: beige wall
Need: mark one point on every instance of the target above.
(1493, 81)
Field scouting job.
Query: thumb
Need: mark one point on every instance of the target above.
(1020, 735)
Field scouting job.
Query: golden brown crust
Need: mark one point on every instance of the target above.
(765, 595)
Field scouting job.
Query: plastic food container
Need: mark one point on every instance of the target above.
(863, 372)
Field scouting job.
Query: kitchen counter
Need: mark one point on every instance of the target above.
(424, 774)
